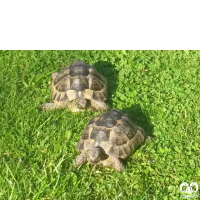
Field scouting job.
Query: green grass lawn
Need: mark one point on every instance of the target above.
(158, 89)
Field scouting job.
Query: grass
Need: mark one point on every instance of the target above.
(158, 89)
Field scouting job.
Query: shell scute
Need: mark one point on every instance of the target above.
(99, 134)
(107, 122)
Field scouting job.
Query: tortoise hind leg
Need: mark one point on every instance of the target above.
(52, 106)
(82, 102)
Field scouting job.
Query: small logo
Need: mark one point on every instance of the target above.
(190, 189)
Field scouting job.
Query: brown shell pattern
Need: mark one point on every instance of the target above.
(114, 132)
(76, 80)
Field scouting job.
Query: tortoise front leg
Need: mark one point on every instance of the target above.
(118, 164)
(53, 76)
(99, 105)
(82, 158)
(52, 106)
(114, 162)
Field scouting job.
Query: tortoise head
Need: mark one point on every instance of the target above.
(95, 154)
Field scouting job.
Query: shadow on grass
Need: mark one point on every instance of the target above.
(111, 74)
(137, 115)
(140, 117)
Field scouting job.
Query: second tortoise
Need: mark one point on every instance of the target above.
(108, 139)
(78, 86)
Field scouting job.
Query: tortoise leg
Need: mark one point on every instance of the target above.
(82, 158)
(54, 75)
(99, 105)
(148, 138)
(118, 165)
(52, 106)
(114, 162)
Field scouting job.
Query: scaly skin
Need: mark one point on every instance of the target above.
(52, 106)
(97, 156)
(74, 105)
(82, 158)
(99, 105)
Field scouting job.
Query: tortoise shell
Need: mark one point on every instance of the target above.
(79, 80)
(114, 132)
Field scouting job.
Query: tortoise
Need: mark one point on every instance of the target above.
(78, 86)
(108, 139)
